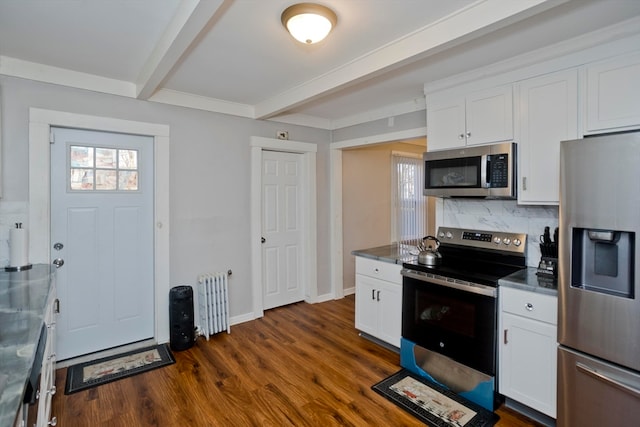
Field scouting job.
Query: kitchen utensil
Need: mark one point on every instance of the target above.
(429, 255)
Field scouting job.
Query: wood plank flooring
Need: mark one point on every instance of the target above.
(299, 365)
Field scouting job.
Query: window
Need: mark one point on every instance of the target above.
(409, 215)
(102, 169)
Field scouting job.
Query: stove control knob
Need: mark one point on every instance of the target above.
(506, 241)
(441, 234)
(517, 242)
(497, 240)
(449, 235)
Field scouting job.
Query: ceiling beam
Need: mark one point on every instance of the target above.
(479, 18)
(190, 20)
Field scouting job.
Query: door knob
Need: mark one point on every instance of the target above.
(58, 262)
(58, 246)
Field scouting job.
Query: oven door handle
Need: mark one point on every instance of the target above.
(466, 287)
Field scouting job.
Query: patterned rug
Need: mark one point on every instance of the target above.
(97, 372)
(432, 404)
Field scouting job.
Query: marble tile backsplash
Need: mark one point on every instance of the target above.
(499, 215)
(10, 213)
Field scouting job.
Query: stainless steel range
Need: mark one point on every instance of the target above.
(449, 311)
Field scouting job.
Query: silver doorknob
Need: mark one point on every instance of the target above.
(58, 262)
(58, 246)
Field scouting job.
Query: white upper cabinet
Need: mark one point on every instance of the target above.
(613, 94)
(480, 117)
(546, 113)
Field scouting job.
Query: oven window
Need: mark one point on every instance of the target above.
(453, 322)
(453, 173)
(446, 313)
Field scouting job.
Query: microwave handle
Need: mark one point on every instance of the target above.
(485, 171)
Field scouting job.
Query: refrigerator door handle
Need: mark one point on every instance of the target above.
(615, 383)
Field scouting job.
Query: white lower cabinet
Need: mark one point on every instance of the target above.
(527, 349)
(379, 299)
(48, 372)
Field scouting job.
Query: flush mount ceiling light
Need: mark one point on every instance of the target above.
(308, 22)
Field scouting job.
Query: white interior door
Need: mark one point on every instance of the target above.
(102, 218)
(281, 228)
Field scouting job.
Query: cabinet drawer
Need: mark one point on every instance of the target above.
(379, 269)
(533, 305)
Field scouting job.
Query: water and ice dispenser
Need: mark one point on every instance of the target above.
(603, 261)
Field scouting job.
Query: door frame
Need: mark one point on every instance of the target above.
(309, 216)
(335, 194)
(40, 123)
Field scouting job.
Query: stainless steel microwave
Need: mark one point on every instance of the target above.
(484, 171)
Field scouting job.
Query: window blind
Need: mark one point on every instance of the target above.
(409, 215)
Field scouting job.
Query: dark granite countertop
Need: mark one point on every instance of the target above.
(393, 253)
(23, 298)
(526, 279)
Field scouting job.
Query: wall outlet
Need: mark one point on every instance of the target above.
(282, 134)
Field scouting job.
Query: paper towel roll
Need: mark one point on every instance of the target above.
(18, 247)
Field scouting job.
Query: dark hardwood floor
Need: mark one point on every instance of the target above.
(299, 365)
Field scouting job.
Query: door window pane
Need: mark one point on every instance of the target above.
(81, 179)
(128, 180)
(81, 157)
(128, 159)
(106, 158)
(106, 179)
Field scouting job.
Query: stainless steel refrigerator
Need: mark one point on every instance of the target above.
(599, 282)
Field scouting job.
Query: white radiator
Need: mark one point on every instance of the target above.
(213, 303)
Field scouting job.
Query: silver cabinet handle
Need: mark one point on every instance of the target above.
(468, 134)
(378, 296)
(506, 341)
(53, 422)
(373, 294)
(461, 136)
(615, 383)
(52, 390)
(529, 306)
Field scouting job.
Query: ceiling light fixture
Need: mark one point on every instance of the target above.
(308, 22)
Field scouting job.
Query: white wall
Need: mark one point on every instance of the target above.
(209, 178)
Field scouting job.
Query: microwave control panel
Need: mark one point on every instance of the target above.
(499, 169)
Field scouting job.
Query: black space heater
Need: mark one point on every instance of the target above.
(182, 334)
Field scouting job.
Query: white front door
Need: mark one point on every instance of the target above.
(102, 226)
(281, 228)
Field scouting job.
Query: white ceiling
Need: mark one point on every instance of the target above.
(235, 57)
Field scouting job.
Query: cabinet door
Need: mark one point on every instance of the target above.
(489, 115)
(613, 94)
(48, 371)
(547, 114)
(445, 123)
(528, 356)
(390, 313)
(366, 305)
